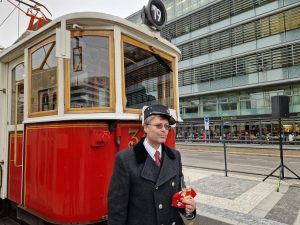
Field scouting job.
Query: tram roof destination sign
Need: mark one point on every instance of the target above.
(154, 14)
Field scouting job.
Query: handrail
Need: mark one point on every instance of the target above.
(16, 125)
(1, 172)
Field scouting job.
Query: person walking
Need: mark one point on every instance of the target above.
(146, 176)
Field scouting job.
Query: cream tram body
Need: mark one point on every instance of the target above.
(71, 97)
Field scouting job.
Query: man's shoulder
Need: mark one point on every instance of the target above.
(172, 149)
(173, 153)
(176, 152)
(125, 153)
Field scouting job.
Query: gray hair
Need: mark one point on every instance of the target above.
(150, 118)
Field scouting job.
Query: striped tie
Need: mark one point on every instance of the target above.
(157, 158)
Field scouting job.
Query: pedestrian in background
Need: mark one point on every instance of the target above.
(291, 138)
(146, 176)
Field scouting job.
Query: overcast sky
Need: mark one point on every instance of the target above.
(11, 27)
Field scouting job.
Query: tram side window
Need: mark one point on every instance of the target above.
(17, 84)
(90, 71)
(148, 76)
(43, 76)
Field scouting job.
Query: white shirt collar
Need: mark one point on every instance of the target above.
(151, 151)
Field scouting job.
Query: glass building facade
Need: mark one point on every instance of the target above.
(236, 55)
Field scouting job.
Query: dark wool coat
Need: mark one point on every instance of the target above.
(140, 193)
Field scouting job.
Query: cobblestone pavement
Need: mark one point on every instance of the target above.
(241, 199)
(288, 205)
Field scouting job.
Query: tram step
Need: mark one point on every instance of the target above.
(7, 221)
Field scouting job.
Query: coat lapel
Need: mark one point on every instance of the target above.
(167, 171)
(150, 170)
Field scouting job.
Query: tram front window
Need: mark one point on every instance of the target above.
(90, 70)
(148, 76)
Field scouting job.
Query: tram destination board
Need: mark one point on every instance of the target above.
(154, 14)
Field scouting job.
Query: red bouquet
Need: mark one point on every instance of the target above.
(186, 193)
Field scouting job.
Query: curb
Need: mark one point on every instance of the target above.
(211, 219)
(295, 185)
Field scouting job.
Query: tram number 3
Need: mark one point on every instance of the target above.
(134, 139)
(156, 13)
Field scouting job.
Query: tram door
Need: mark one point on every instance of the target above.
(16, 134)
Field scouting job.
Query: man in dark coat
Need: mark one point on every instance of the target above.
(146, 176)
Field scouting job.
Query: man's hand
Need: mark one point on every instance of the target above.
(190, 204)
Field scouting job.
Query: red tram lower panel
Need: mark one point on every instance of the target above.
(15, 168)
(68, 168)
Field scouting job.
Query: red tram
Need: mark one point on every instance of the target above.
(71, 97)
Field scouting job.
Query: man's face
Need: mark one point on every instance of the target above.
(157, 130)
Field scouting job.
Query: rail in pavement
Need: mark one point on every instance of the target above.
(249, 149)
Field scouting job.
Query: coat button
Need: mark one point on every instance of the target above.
(173, 184)
(160, 206)
(174, 223)
(156, 187)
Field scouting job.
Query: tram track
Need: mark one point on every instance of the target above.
(232, 171)
(238, 150)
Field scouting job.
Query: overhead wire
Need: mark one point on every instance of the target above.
(18, 21)
(7, 16)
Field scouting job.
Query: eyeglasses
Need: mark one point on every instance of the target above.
(160, 126)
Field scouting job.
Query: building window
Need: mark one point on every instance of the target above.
(292, 18)
(296, 54)
(204, 17)
(259, 62)
(245, 105)
(210, 107)
(250, 103)
(228, 106)
(238, 35)
(277, 23)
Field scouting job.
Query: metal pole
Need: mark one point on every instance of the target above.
(224, 144)
(260, 132)
(281, 151)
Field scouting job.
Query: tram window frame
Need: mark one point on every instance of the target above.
(68, 66)
(14, 79)
(32, 50)
(129, 40)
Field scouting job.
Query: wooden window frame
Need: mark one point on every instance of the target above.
(132, 41)
(31, 51)
(67, 72)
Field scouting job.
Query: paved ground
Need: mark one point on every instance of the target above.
(241, 199)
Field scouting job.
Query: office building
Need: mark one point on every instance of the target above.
(236, 55)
